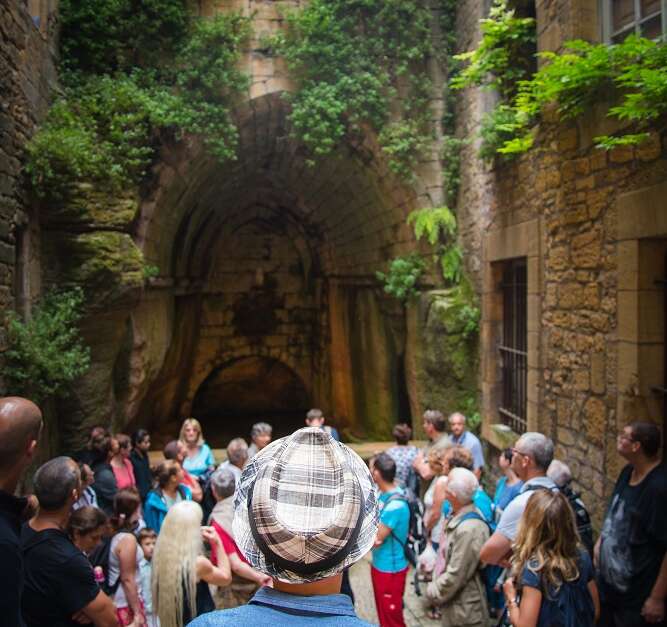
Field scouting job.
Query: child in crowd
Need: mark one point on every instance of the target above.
(147, 539)
(551, 571)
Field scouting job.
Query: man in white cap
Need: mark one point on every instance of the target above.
(305, 509)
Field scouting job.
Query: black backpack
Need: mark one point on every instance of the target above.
(100, 557)
(416, 540)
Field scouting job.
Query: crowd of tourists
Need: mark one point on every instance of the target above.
(112, 536)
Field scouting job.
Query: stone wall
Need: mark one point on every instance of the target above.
(590, 225)
(27, 81)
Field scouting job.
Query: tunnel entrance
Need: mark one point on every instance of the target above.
(249, 390)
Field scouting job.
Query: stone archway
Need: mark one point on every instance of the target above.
(248, 390)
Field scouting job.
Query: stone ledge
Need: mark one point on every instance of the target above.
(499, 435)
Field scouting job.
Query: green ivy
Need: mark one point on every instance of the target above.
(632, 74)
(102, 130)
(106, 36)
(348, 58)
(438, 225)
(106, 128)
(400, 281)
(500, 61)
(46, 352)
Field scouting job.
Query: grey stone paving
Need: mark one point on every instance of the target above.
(360, 578)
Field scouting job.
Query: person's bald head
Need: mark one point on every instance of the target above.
(20, 425)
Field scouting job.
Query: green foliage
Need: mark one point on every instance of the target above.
(401, 279)
(632, 73)
(470, 409)
(208, 80)
(501, 60)
(438, 225)
(46, 353)
(150, 271)
(102, 130)
(105, 36)
(348, 57)
(106, 128)
(451, 263)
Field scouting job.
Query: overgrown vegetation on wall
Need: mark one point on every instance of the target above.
(352, 60)
(134, 74)
(631, 74)
(46, 352)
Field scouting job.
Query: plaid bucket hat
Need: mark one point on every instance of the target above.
(305, 508)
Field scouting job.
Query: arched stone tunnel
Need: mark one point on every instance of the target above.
(266, 300)
(266, 260)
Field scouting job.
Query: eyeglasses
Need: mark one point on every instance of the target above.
(516, 451)
(624, 436)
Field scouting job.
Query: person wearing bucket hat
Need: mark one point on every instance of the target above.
(305, 509)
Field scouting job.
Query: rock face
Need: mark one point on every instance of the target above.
(241, 291)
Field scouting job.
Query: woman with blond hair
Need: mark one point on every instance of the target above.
(551, 570)
(199, 458)
(181, 572)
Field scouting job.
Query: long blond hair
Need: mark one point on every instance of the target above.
(548, 541)
(191, 422)
(175, 563)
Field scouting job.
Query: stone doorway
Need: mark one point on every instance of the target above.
(248, 390)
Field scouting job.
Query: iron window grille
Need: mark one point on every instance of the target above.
(513, 348)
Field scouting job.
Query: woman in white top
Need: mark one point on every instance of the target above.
(125, 557)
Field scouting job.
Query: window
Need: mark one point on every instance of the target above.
(647, 18)
(514, 345)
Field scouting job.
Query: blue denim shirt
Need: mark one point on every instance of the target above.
(279, 609)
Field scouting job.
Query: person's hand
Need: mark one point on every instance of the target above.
(653, 610)
(418, 460)
(267, 581)
(432, 591)
(209, 534)
(510, 590)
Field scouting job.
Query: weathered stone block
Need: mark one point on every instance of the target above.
(595, 419)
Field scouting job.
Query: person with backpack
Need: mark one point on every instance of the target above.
(552, 581)
(531, 456)
(459, 589)
(125, 557)
(389, 564)
(562, 477)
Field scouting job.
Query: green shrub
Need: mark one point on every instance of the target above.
(102, 130)
(401, 279)
(46, 352)
(348, 57)
(106, 36)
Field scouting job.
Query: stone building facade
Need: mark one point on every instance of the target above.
(589, 229)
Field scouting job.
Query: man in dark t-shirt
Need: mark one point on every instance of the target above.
(631, 551)
(60, 588)
(20, 425)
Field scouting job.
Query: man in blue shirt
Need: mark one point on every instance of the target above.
(390, 566)
(461, 436)
(304, 510)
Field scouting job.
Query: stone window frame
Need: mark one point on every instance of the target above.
(519, 240)
(607, 34)
(641, 249)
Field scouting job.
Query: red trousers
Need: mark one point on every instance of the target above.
(388, 589)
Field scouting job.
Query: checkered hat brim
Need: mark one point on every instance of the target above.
(308, 503)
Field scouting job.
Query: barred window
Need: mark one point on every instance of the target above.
(514, 345)
(647, 18)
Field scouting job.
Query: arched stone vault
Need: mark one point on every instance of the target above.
(294, 245)
(266, 256)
